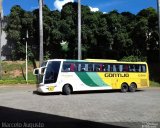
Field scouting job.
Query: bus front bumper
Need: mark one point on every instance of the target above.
(47, 89)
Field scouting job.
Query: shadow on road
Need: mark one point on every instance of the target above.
(10, 116)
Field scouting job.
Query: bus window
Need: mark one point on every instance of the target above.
(86, 67)
(105, 67)
(98, 67)
(90, 67)
(101, 66)
(66, 67)
(72, 67)
(131, 68)
(114, 68)
(143, 68)
(125, 68)
(137, 68)
(79, 67)
(117, 68)
(75, 67)
(52, 71)
(134, 68)
(83, 67)
(120, 68)
(109, 68)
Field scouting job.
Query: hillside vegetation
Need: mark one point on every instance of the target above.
(14, 72)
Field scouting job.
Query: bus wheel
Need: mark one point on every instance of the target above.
(67, 89)
(132, 87)
(124, 87)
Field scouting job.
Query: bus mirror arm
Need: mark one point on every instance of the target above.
(42, 70)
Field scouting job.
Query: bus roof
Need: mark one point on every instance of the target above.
(97, 60)
(101, 60)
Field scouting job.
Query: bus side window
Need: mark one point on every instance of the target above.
(101, 67)
(117, 68)
(75, 67)
(143, 68)
(134, 68)
(79, 67)
(125, 68)
(72, 67)
(104, 67)
(86, 67)
(109, 68)
(120, 68)
(114, 68)
(90, 67)
(98, 67)
(66, 67)
(131, 68)
(137, 68)
(140, 68)
(83, 67)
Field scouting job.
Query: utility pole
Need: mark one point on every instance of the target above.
(40, 32)
(158, 10)
(26, 57)
(79, 31)
(1, 20)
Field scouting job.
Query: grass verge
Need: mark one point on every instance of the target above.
(9, 82)
(154, 84)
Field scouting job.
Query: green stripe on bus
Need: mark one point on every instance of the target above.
(86, 79)
(96, 79)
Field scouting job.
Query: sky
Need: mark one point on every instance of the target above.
(133, 6)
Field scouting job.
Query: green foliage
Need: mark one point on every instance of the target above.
(133, 59)
(154, 84)
(112, 35)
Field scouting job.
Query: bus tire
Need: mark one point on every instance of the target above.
(124, 88)
(132, 87)
(67, 89)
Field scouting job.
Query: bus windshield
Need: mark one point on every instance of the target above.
(52, 71)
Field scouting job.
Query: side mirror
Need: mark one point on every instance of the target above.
(42, 70)
(36, 71)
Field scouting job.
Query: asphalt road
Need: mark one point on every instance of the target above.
(21, 106)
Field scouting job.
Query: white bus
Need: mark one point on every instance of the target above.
(67, 76)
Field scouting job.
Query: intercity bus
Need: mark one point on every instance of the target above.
(67, 76)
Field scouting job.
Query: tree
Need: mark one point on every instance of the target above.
(14, 36)
(111, 35)
(145, 33)
(69, 15)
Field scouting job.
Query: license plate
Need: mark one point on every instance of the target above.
(51, 88)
